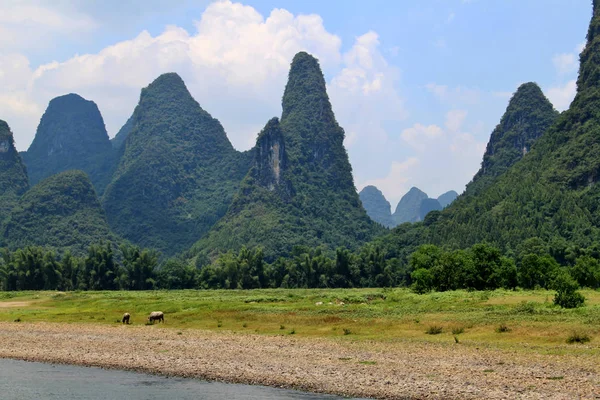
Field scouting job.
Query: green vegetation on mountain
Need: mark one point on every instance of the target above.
(71, 135)
(13, 175)
(61, 212)
(300, 189)
(409, 206)
(177, 173)
(552, 194)
(447, 198)
(529, 114)
(376, 206)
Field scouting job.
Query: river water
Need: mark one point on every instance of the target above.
(22, 380)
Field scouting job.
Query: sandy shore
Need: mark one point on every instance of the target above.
(399, 370)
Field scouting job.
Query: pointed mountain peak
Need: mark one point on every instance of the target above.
(305, 93)
(376, 205)
(528, 116)
(415, 191)
(71, 135)
(168, 81)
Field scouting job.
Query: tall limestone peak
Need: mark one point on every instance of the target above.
(321, 206)
(71, 135)
(62, 211)
(13, 175)
(409, 206)
(376, 206)
(529, 114)
(177, 172)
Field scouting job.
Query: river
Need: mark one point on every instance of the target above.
(22, 380)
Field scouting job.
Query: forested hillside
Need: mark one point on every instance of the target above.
(300, 190)
(13, 175)
(551, 193)
(177, 173)
(61, 212)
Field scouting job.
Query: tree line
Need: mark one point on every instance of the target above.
(429, 268)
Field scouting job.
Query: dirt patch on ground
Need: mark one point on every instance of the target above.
(399, 370)
(14, 304)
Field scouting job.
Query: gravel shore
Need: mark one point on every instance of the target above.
(398, 370)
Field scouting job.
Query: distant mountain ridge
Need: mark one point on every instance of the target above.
(413, 206)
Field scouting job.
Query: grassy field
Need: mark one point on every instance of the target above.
(532, 322)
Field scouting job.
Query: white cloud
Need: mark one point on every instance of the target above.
(456, 96)
(565, 63)
(455, 119)
(562, 96)
(420, 136)
(25, 24)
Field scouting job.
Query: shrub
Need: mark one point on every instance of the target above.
(567, 295)
(503, 328)
(347, 331)
(458, 330)
(578, 337)
(434, 330)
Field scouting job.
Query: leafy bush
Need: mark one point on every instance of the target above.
(567, 295)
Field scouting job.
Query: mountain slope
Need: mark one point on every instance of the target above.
(552, 193)
(13, 175)
(177, 173)
(409, 207)
(314, 202)
(71, 135)
(376, 206)
(62, 211)
(529, 114)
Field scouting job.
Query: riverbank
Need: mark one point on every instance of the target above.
(401, 369)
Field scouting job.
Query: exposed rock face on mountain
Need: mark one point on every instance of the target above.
(71, 135)
(428, 205)
(300, 190)
(377, 207)
(409, 207)
(177, 172)
(447, 198)
(529, 114)
(62, 211)
(13, 175)
(551, 193)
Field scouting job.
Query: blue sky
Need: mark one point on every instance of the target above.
(418, 85)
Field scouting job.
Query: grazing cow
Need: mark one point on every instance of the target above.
(126, 317)
(156, 315)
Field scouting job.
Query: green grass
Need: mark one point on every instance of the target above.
(368, 314)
